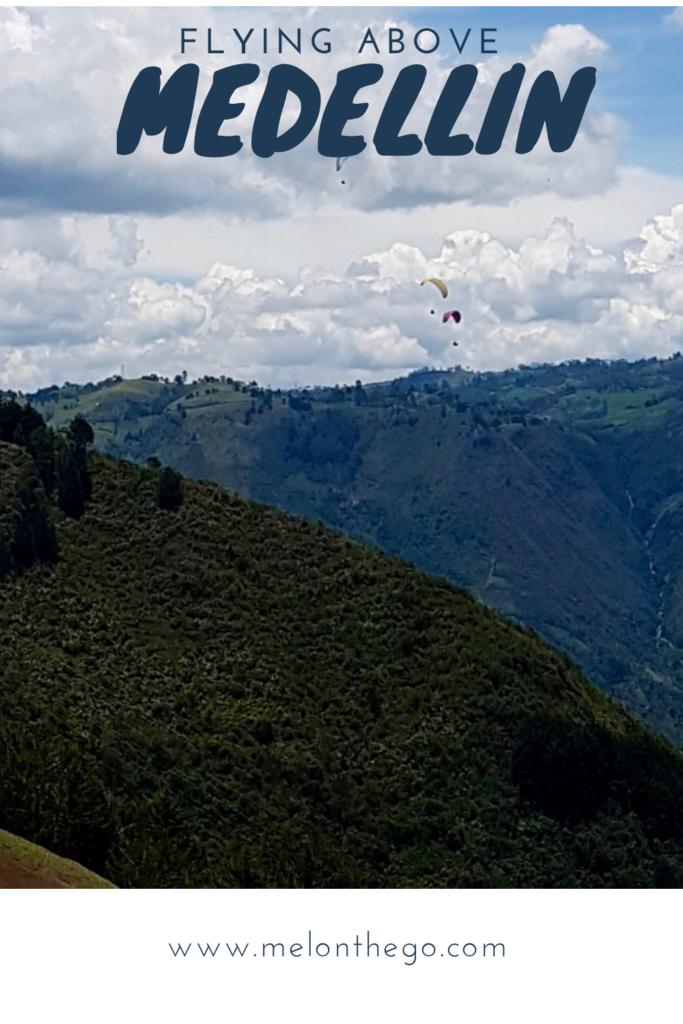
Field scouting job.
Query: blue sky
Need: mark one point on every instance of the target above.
(643, 85)
(271, 269)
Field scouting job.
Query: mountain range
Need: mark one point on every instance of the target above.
(553, 493)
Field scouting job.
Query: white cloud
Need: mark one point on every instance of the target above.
(659, 244)
(126, 245)
(273, 269)
(674, 17)
(552, 296)
(66, 73)
(16, 31)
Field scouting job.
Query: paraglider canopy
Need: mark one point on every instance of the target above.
(453, 315)
(341, 160)
(441, 285)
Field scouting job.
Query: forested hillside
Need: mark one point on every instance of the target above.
(197, 690)
(554, 493)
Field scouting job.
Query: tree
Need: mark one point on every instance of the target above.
(41, 447)
(169, 490)
(32, 537)
(71, 467)
(17, 422)
(34, 533)
(71, 496)
(81, 433)
(76, 483)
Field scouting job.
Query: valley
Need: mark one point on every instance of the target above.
(553, 493)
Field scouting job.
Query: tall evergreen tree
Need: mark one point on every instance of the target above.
(34, 534)
(169, 490)
(73, 477)
(70, 494)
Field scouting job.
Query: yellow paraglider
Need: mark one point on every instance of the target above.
(441, 285)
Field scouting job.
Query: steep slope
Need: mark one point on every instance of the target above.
(223, 695)
(15, 465)
(26, 866)
(552, 493)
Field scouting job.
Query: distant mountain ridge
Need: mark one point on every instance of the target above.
(554, 493)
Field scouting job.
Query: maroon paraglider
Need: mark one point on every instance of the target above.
(454, 315)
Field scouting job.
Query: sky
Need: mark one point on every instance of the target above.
(274, 269)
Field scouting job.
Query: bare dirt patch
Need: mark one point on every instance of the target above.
(16, 874)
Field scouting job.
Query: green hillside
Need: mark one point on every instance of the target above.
(222, 695)
(27, 866)
(553, 493)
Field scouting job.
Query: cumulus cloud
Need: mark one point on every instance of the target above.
(166, 263)
(674, 17)
(552, 296)
(126, 244)
(66, 73)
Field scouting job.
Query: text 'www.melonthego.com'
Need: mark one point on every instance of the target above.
(407, 953)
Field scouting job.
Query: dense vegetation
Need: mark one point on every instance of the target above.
(553, 493)
(38, 463)
(221, 695)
